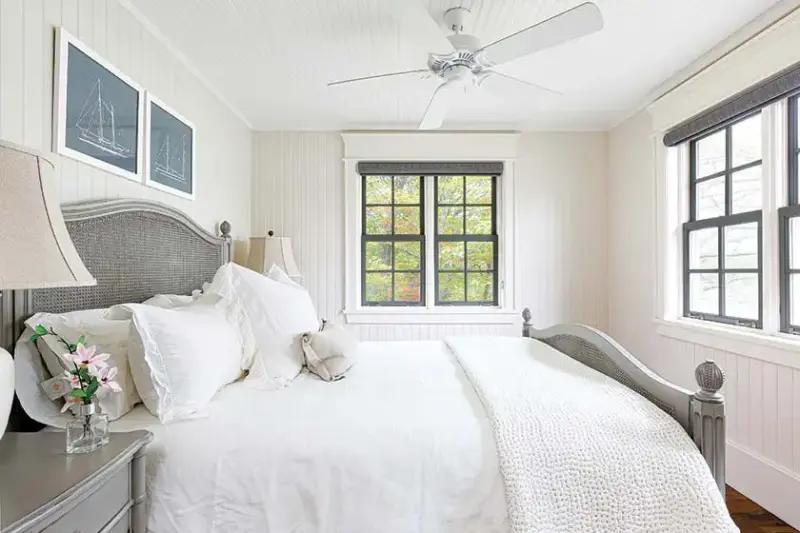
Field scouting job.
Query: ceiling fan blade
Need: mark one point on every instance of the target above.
(577, 22)
(413, 16)
(378, 76)
(502, 77)
(437, 107)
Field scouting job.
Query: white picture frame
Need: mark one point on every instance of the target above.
(162, 179)
(80, 140)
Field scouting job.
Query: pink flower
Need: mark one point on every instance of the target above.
(85, 357)
(73, 380)
(106, 379)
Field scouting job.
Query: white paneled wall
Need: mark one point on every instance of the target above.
(763, 398)
(223, 141)
(560, 181)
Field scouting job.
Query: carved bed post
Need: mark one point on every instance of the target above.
(708, 419)
(526, 322)
(225, 233)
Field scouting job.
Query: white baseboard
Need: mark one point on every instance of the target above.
(771, 486)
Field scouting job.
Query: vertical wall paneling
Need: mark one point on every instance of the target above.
(223, 173)
(298, 191)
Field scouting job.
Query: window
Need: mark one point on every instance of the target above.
(722, 261)
(393, 241)
(466, 240)
(460, 240)
(789, 230)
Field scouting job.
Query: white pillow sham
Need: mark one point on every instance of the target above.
(277, 315)
(110, 336)
(180, 358)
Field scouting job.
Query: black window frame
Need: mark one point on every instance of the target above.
(467, 238)
(720, 223)
(393, 238)
(785, 216)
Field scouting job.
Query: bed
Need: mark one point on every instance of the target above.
(437, 452)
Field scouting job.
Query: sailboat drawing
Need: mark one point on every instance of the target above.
(171, 161)
(97, 123)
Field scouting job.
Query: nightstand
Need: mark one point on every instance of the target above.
(42, 489)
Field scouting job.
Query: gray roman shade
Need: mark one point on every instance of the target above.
(430, 168)
(748, 101)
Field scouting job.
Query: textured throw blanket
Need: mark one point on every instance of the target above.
(581, 453)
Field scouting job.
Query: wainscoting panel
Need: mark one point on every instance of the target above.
(26, 95)
(298, 192)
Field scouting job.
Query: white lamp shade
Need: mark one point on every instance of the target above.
(266, 251)
(36, 251)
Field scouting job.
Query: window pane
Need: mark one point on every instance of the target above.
(741, 246)
(379, 287)
(379, 220)
(451, 287)
(379, 256)
(794, 299)
(451, 220)
(479, 220)
(710, 198)
(406, 190)
(407, 287)
(480, 287)
(746, 137)
(451, 256)
(480, 256)
(406, 255)
(479, 189)
(407, 220)
(704, 293)
(711, 154)
(451, 189)
(379, 189)
(746, 190)
(794, 243)
(741, 295)
(704, 248)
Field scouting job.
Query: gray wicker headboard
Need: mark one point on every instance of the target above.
(135, 249)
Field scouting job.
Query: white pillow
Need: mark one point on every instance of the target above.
(277, 314)
(169, 301)
(181, 357)
(110, 336)
(276, 273)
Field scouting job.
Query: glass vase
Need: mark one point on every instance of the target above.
(88, 431)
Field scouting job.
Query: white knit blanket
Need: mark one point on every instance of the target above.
(581, 453)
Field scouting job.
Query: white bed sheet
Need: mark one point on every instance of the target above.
(402, 444)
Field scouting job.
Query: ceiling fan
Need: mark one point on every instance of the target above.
(462, 61)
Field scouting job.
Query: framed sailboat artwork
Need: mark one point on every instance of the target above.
(98, 112)
(169, 151)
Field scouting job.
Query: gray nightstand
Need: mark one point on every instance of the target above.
(42, 489)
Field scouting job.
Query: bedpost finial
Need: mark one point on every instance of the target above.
(526, 316)
(710, 377)
(225, 228)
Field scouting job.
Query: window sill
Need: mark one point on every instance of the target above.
(779, 348)
(431, 316)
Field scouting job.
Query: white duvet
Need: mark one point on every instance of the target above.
(405, 444)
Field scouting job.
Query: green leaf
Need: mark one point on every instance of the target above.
(72, 347)
(41, 330)
(92, 388)
(78, 393)
(81, 340)
(35, 337)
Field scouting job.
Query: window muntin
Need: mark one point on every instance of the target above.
(465, 240)
(789, 229)
(393, 241)
(722, 239)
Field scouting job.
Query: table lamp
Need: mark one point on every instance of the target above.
(36, 251)
(271, 250)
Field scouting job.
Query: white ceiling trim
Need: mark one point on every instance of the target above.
(155, 32)
(745, 34)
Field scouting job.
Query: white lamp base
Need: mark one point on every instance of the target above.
(6, 388)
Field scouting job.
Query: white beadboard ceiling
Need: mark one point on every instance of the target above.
(271, 59)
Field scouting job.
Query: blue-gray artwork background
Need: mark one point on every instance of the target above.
(102, 119)
(171, 147)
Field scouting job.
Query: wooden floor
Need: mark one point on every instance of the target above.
(753, 519)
